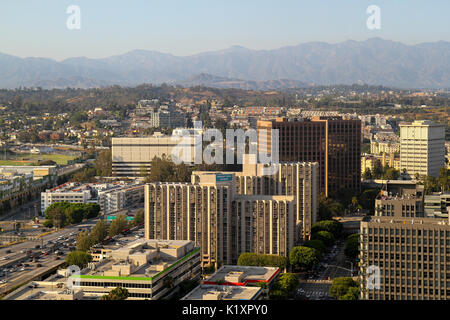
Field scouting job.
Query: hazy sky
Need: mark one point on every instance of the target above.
(37, 28)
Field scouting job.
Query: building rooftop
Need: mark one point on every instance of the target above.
(209, 292)
(242, 275)
(141, 259)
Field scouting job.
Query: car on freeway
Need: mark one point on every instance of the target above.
(38, 265)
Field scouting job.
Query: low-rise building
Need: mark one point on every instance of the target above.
(148, 269)
(243, 276)
(437, 205)
(111, 197)
(209, 292)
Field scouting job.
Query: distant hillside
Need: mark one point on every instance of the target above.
(208, 80)
(373, 62)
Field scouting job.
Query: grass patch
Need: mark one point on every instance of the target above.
(29, 159)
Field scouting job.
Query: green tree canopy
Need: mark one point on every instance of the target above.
(262, 260)
(118, 293)
(303, 257)
(118, 225)
(325, 236)
(352, 246)
(316, 244)
(332, 226)
(78, 258)
(84, 241)
(138, 218)
(99, 232)
(340, 287)
(103, 163)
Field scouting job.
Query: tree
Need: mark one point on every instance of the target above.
(118, 225)
(118, 293)
(302, 257)
(138, 218)
(99, 232)
(288, 282)
(91, 210)
(78, 258)
(48, 224)
(56, 215)
(340, 287)
(74, 214)
(325, 236)
(262, 260)
(443, 179)
(332, 226)
(367, 175)
(367, 199)
(391, 174)
(84, 241)
(377, 171)
(352, 294)
(352, 246)
(316, 244)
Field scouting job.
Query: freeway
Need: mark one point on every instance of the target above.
(14, 257)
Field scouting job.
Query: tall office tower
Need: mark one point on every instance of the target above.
(409, 252)
(222, 223)
(422, 147)
(331, 141)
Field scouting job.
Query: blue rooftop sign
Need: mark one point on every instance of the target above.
(224, 177)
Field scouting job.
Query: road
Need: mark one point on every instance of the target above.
(11, 267)
(16, 254)
(333, 265)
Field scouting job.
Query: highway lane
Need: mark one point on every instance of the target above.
(18, 253)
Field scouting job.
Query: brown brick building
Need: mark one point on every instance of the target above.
(331, 141)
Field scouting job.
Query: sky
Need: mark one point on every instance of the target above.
(38, 28)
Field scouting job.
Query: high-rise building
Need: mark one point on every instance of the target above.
(230, 213)
(333, 142)
(407, 252)
(422, 147)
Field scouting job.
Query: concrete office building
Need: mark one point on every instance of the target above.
(413, 256)
(132, 156)
(422, 147)
(437, 205)
(142, 267)
(333, 142)
(400, 199)
(411, 251)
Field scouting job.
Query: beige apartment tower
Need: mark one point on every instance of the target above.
(228, 213)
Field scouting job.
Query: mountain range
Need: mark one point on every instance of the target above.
(374, 62)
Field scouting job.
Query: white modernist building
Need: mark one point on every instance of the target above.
(422, 147)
